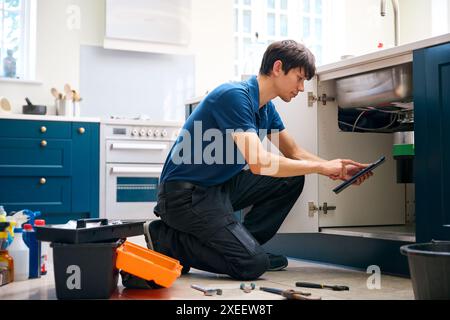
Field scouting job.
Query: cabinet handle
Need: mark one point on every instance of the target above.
(43, 181)
(43, 143)
(43, 129)
(81, 130)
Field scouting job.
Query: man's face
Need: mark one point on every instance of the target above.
(290, 84)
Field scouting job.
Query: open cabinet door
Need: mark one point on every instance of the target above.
(301, 123)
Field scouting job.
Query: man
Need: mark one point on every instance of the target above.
(200, 191)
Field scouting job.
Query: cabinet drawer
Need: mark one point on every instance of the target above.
(34, 193)
(26, 157)
(35, 129)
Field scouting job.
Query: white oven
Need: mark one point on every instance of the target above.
(131, 159)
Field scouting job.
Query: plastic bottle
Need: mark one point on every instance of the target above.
(20, 253)
(6, 268)
(29, 237)
(43, 250)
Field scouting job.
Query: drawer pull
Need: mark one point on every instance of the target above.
(43, 129)
(81, 130)
(43, 143)
(43, 181)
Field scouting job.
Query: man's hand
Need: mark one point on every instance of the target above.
(344, 170)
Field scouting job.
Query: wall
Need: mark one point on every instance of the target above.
(57, 50)
(356, 28)
(58, 47)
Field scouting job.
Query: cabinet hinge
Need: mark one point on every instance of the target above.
(312, 208)
(324, 98)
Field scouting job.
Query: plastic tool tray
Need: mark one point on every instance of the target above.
(90, 231)
(148, 264)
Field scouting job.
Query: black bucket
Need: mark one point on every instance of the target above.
(86, 270)
(429, 264)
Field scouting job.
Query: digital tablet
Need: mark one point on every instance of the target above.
(352, 180)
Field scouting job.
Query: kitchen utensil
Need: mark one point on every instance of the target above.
(55, 93)
(30, 108)
(5, 105)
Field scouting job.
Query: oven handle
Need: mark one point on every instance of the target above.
(135, 146)
(120, 170)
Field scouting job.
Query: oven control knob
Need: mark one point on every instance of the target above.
(134, 132)
(164, 133)
(143, 133)
(150, 132)
(157, 133)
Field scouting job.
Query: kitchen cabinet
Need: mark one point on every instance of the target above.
(50, 166)
(367, 225)
(432, 123)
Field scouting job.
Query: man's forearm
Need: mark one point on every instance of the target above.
(279, 166)
(301, 154)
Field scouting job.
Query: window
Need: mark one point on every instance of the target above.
(17, 39)
(259, 23)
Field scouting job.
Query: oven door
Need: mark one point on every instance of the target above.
(131, 190)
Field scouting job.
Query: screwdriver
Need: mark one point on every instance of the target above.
(321, 286)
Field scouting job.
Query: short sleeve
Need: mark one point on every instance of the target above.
(233, 110)
(275, 122)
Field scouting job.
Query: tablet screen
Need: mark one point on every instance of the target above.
(352, 180)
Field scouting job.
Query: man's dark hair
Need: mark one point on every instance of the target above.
(292, 54)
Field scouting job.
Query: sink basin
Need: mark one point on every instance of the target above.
(376, 88)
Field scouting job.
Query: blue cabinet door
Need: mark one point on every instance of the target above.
(85, 179)
(29, 157)
(51, 195)
(432, 140)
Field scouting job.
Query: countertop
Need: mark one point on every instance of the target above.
(377, 60)
(18, 116)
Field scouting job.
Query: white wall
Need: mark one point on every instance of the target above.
(357, 28)
(357, 25)
(58, 47)
(57, 50)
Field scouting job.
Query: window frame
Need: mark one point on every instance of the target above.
(26, 57)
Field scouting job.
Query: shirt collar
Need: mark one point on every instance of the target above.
(254, 93)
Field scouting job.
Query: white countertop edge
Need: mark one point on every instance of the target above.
(18, 116)
(383, 54)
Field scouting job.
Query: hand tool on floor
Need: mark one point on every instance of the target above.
(321, 286)
(207, 291)
(246, 288)
(291, 294)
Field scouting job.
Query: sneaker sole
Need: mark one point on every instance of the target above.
(147, 236)
(278, 268)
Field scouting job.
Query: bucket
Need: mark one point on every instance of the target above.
(429, 265)
(85, 271)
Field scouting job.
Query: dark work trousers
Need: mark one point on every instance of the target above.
(201, 231)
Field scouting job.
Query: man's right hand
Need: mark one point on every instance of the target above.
(337, 169)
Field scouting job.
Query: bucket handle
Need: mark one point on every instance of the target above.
(81, 223)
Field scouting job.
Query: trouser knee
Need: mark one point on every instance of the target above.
(250, 268)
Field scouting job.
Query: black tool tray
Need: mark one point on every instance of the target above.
(104, 231)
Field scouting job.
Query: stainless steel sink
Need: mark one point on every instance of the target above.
(376, 88)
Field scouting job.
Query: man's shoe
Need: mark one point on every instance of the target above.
(150, 232)
(277, 262)
(132, 282)
(150, 228)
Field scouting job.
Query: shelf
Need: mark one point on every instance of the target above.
(396, 233)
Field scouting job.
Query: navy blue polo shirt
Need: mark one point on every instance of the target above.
(205, 153)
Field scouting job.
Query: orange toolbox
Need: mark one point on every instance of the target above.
(148, 264)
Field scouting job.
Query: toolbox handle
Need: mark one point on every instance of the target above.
(81, 223)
